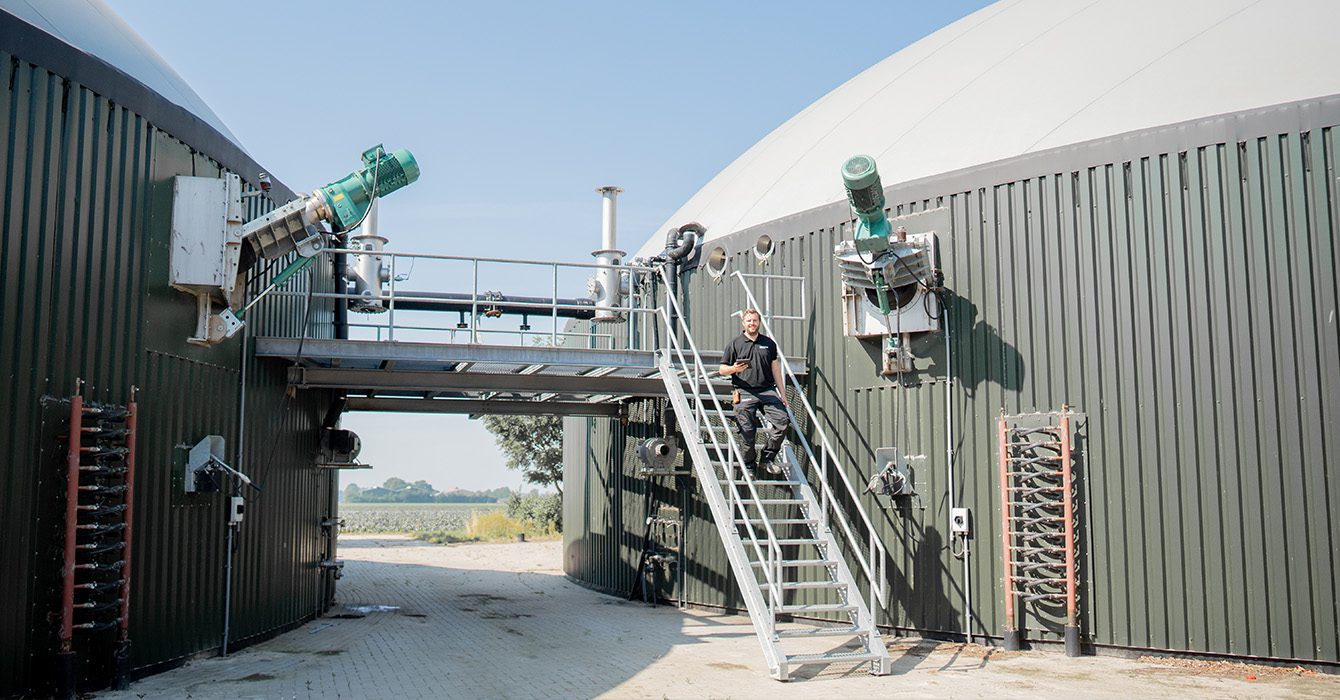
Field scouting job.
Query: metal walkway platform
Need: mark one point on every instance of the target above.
(472, 378)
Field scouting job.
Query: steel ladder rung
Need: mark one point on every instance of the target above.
(852, 631)
(796, 563)
(809, 585)
(817, 607)
(829, 657)
(1036, 549)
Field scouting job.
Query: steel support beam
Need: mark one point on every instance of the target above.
(495, 407)
(377, 380)
(376, 352)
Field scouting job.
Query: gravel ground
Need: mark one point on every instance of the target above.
(501, 621)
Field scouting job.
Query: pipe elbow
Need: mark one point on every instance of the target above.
(680, 242)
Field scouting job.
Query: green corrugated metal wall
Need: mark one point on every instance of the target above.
(1183, 300)
(86, 187)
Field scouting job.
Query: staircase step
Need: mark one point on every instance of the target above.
(799, 541)
(796, 585)
(777, 521)
(797, 563)
(761, 482)
(817, 608)
(833, 657)
(807, 632)
(780, 501)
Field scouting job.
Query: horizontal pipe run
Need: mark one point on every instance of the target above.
(508, 304)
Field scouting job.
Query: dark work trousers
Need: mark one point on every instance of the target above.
(746, 419)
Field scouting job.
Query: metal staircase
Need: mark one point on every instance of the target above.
(787, 541)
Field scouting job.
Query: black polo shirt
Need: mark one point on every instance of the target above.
(761, 353)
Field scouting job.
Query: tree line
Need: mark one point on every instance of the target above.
(397, 490)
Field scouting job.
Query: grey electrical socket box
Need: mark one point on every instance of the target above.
(236, 509)
(960, 521)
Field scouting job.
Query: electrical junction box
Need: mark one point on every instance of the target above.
(891, 458)
(236, 508)
(960, 521)
(206, 236)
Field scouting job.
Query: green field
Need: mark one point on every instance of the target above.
(410, 518)
(346, 507)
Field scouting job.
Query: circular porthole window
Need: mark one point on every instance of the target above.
(764, 247)
(716, 262)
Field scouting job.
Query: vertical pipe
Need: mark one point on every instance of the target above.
(474, 301)
(227, 589)
(949, 460)
(1068, 498)
(608, 290)
(390, 317)
(340, 265)
(240, 462)
(1013, 640)
(608, 194)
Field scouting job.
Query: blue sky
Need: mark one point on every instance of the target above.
(516, 111)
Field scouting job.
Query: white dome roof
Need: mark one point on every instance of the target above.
(94, 28)
(1022, 76)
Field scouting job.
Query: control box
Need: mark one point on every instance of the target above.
(960, 521)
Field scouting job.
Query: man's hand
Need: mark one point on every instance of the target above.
(739, 366)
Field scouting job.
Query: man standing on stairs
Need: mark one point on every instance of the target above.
(751, 362)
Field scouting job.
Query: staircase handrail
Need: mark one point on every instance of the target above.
(729, 456)
(874, 569)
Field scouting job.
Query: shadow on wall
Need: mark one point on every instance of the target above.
(982, 355)
(918, 558)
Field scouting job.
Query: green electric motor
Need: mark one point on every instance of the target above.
(866, 195)
(382, 174)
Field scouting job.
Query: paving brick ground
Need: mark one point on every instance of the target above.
(500, 621)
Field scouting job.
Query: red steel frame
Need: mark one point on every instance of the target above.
(1067, 497)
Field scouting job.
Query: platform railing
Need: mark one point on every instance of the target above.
(396, 322)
